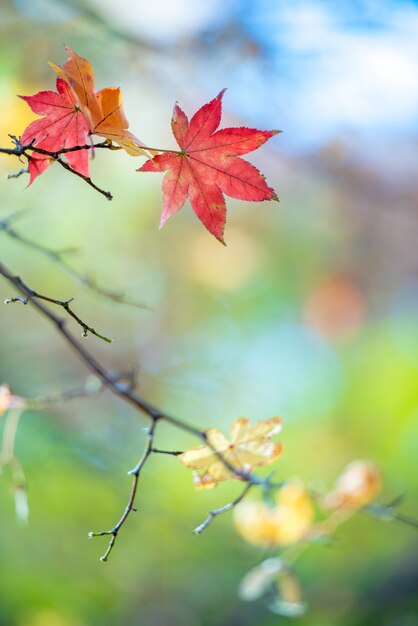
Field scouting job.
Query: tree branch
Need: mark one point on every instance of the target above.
(23, 170)
(170, 452)
(122, 391)
(135, 473)
(128, 394)
(23, 150)
(41, 402)
(65, 304)
(57, 256)
(223, 509)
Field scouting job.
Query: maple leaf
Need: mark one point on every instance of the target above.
(103, 110)
(209, 165)
(63, 126)
(286, 522)
(250, 446)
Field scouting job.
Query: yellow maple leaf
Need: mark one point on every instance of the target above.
(250, 446)
(286, 522)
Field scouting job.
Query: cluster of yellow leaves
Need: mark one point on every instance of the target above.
(103, 110)
(292, 516)
(250, 446)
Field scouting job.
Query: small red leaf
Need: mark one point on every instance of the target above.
(208, 166)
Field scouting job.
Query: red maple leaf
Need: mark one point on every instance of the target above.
(63, 126)
(209, 165)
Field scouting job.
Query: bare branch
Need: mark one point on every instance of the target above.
(87, 179)
(388, 512)
(223, 509)
(24, 150)
(170, 452)
(123, 391)
(23, 170)
(65, 304)
(91, 388)
(135, 473)
(57, 256)
(127, 393)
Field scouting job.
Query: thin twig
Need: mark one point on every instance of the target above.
(223, 509)
(23, 170)
(405, 519)
(170, 452)
(23, 150)
(57, 256)
(42, 402)
(388, 512)
(87, 179)
(135, 473)
(65, 304)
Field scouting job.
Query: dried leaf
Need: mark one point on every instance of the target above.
(250, 446)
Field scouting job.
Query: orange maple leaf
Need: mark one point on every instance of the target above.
(103, 110)
(250, 446)
(358, 485)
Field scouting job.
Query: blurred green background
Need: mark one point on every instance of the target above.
(310, 312)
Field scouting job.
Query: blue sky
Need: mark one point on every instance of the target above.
(334, 69)
(341, 68)
(331, 70)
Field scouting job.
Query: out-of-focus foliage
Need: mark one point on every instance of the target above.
(358, 485)
(310, 312)
(282, 524)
